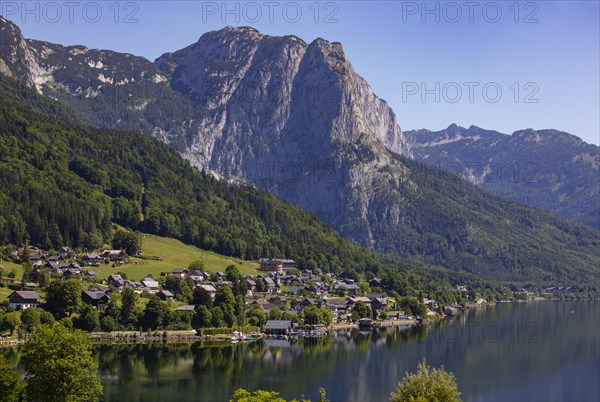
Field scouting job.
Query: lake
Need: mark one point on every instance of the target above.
(539, 351)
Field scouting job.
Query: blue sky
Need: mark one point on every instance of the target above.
(502, 65)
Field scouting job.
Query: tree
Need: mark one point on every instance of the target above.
(361, 310)
(108, 324)
(431, 385)
(275, 313)
(203, 317)
(66, 322)
(238, 282)
(11, 389)
(412, 306)
(365, 289)
(60, 366)
(312, 315)
(257, 317)
(113, 310)
(41, 277)
(327, 316)
(47, 318)
(312, 265)
(240, 306)
(63, 298)
(10, 322)
(129, 311)
(232, 273)
(55, 237)
(196, 265)
(185, 295)
(89, 319)
(217, 317)
(130, 242)
(229, 317)
(156, 314)
(27, 273)
(201, 296)
(261, 287)
(341, 291)
(31, 318)
(225, 299)
(181, 320)
(174, 284)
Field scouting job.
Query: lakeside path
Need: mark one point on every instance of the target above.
(381, 324)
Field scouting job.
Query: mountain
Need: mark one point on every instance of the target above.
(549, 169)
(296, 120)
(286, 116)
(63, 183)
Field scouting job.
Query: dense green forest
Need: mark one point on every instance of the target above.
(63, 183)
(450, 222)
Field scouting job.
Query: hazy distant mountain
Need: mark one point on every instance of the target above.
(549, 169)
(295, 119)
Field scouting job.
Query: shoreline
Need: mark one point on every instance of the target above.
(191, 336)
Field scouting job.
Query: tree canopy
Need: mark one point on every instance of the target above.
(60, 366)
(63, 298)
(11, 388)
(427, 385)
(130, 242)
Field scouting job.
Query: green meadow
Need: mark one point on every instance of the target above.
(172, 254)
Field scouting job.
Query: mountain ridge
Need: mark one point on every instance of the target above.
(549, 168)
(296, 120)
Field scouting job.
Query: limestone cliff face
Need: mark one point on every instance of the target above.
(293, 118)
(17, 58)
(256, 88)
(287, 116)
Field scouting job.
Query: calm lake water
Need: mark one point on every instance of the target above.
(541, 351)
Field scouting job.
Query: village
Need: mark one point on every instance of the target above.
(279, 290)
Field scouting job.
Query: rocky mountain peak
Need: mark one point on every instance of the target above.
(453, 128)
(243, 29)
(550, 169)
(16, 59)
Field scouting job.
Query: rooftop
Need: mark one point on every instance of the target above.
(27, 294)
(95, 294)
(278, 324)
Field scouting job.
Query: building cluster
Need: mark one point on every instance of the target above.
(279, 285)
(66, 264)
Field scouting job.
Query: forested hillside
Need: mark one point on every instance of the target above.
(64, 183)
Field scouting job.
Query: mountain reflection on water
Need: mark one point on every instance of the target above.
(528, 352)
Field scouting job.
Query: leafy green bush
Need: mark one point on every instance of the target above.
(427, 385)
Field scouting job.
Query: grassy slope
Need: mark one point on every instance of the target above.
(173, 254)
(8, 267)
